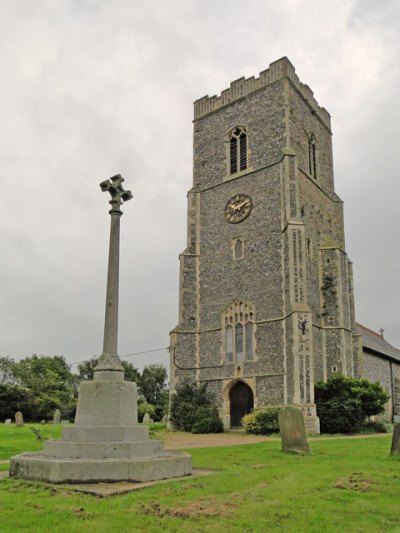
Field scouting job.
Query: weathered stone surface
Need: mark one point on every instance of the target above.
(103, 445)
(396, 440)
(71, 470)
(292, 430)
(19, 419)
(292, 271)
(57, 417)
(146, 418)
(106, 403)
(7, 421)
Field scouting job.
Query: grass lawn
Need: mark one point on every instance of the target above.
(343, 486)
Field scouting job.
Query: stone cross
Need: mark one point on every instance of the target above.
(109, 365)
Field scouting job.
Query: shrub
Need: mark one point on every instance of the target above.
(193, 406)
(343, 404)
(262, 421)
(377, 427)
(208, 424)
(144, 408)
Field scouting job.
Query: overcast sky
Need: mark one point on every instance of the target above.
(92, 88)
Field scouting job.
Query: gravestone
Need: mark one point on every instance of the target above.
(57, 417)
(19, 419)
(146, 418)
(396, 440)
(7, 421)
(165, 419)
(292, 430)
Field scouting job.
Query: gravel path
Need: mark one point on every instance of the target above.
(179, 440)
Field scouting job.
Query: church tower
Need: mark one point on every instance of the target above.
(266, 302)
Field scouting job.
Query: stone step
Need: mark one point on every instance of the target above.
(102, 450)
(106, 434)
(34, 465)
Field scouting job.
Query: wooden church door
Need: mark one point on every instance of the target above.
(241, 403)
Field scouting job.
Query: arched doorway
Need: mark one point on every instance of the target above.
(241, 400)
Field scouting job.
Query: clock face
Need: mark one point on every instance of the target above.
(238, 208)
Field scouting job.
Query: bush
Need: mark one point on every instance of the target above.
(262, 421)
(208, 424)
(343, 404)
(144, 408)
(377, 427)
(193, 406)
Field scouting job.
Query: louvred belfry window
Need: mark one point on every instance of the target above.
(238, 321)
(238, 150)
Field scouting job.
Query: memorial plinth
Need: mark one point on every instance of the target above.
(106, 443)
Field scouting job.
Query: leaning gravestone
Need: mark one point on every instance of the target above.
(19, 419)
(292, 430)
(146, 418)
(57, 417)
(7, 421)
(396, 440)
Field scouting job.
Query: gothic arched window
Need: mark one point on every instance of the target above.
(238, 321)
(238, 150)
(312, 157)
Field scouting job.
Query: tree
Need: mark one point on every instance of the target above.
(36, 386)
(193, 409)
(50, 382)
(153, 388)
(86, 370)
(13, 399)
(343, 404)
(7, 367)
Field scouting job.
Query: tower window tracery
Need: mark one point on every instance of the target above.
(238, 331)
(238, 150)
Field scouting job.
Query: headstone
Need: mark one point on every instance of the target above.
(146, 418)
(19, 419)
(57, 417)
(43, 422)
(292, 430)
(396, 440)
(165, 419)
(7, 421)
(151, 421)
(64, 421)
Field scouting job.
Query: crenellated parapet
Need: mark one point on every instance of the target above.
(282, 68)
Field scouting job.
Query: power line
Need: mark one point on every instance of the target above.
(130, 354)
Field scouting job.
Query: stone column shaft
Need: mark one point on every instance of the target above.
(109, 366)
(110, 342)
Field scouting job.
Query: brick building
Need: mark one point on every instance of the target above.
(266, 303)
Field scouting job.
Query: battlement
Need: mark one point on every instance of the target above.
(282, 68)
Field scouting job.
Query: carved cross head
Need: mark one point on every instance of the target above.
(118, 193)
